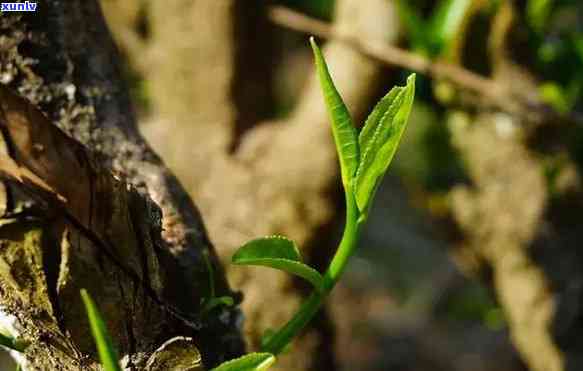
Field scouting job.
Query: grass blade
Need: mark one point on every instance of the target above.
(105, 348)
(249, 362)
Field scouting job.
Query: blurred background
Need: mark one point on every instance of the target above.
(471, 259)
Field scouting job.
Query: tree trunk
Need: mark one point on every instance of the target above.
(94, 208)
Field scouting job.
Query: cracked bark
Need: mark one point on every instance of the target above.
(69, 223)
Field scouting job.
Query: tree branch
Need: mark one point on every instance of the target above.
(498, 94)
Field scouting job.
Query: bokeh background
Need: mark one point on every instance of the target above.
(471, 260)
(451, 273)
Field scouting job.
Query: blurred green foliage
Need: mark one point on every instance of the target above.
(473, 302)
(556, 38)
(433, 35)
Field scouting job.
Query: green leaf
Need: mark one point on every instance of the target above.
(578, 46)
(276, 252)
(342, 127)
(414, 26)
(209, 304)
(446, 22)
(249, 362)
(553, 94)
(379, 139)
(105, 348)
(12, 343)
(537, 13)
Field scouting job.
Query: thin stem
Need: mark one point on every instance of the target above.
(310, 307)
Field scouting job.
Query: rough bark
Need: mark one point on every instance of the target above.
(144, 264)
(281, 176)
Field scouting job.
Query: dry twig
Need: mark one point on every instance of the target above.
(494, 93)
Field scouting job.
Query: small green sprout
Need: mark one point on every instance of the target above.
(105, 348)
(364, 158)
(207, 304)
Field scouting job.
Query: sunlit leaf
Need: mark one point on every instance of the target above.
(371, 125)
(342, 127)
(276, 252)
(249, 362)
(107, 353)
(379, 140)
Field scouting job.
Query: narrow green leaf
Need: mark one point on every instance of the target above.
(249, 362)
(105, 348)
(379, 140)
(342, 128)
(276, 252)
(446, 22)
(11, 342)
(414, 26)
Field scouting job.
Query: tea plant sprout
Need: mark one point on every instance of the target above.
(364, 159)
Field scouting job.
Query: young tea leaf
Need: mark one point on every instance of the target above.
(105, 348)
(342, 128)
(249, 362)
(379, 140)
(276, 252)
(371, 125)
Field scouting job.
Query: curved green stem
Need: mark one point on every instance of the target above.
(278, 341)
